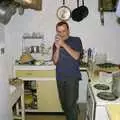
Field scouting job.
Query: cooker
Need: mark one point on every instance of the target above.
(97, 105)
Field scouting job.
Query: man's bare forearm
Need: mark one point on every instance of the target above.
(56, 56)
(72, 52)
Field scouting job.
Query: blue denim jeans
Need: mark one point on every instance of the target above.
(68, 94)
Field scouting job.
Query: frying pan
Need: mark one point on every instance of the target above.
(80, 12)
(63, 12)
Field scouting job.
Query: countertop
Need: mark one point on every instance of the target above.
(39, 67)
(113, 111)
(35, 67)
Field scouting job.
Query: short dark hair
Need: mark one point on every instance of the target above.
(62, 23)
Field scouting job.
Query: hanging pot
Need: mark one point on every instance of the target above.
(64, 12)
(80, 12)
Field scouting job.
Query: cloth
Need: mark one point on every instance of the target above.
(68, 94)
(67, 65)
(68, 76)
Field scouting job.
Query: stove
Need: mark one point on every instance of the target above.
(102, 92)
(100, 96)
(101, 86)
(107, 96)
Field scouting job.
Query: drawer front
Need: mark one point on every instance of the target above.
(35, 73)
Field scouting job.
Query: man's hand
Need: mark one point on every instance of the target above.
(61, 43)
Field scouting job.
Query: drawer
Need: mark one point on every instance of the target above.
(35, 73)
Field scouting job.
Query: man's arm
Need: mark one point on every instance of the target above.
(55, 54)
(75, 54)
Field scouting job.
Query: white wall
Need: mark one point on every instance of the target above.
(5, 110)
(2, 34)
(93, 34)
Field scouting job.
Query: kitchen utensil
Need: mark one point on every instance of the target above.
(80, 12)
(106, 6)
(101, 12)
(116, 84)
(64, 12)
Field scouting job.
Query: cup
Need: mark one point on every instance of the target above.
(57, 37)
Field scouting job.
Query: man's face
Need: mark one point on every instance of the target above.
(63, 31)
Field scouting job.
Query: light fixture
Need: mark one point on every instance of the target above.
(33, 4)
(24, 1)
(28, 1)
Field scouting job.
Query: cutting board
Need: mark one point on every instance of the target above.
(114, 111)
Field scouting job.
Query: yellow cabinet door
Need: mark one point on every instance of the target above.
(47, 96)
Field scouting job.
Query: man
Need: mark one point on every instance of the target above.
(67, 51)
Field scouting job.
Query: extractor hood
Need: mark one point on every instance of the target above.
(33, 4)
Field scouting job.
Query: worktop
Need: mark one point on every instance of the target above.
(35, 67)
(44, 80)
(113, 111)
(39, 67)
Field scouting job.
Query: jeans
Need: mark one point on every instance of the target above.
(68, 94)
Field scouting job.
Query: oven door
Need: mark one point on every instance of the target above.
(91, 104)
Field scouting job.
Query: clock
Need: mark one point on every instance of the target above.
(64, 13)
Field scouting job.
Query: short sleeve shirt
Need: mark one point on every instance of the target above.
(67, 65)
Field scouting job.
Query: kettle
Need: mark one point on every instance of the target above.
(116, 83)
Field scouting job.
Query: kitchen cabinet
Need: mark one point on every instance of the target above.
(45, 87)
(47, 94)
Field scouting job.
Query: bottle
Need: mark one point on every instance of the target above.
(89, 55)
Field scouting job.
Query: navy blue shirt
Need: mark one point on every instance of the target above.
(67, 65)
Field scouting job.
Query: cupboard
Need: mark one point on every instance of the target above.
(42, 85)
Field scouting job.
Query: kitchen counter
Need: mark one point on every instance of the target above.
(113, 111)
(35, 67)
(39, 67)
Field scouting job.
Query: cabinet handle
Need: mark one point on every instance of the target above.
(89, 96)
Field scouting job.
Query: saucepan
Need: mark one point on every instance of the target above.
(80, 12)
(64, 12)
